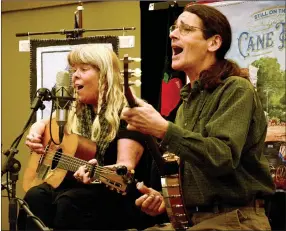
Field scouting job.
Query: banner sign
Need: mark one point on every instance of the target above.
(258, 46)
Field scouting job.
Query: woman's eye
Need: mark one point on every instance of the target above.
(84, 69)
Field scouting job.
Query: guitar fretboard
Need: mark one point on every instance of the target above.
(72, 164)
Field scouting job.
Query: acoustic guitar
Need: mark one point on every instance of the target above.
(168, 166)
(74, 151)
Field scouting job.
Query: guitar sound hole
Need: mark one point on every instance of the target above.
(56, 158)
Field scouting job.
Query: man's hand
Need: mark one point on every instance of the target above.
(145, 119)
(151, 202)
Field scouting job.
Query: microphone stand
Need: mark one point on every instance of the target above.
(12, 166)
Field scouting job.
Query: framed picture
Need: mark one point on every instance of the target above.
(49, 56)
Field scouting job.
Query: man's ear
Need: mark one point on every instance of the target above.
(214, 43)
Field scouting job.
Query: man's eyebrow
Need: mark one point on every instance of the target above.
(185, 24)
(182, 22)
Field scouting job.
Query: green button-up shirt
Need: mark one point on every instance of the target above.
(220, 137)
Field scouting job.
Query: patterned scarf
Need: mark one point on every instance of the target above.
(86, 118)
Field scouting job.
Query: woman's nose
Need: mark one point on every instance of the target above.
(76, 74)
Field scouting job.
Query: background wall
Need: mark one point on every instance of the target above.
(40, 16)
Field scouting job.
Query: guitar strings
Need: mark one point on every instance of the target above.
(65, 160)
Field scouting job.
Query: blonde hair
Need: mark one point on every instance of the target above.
(109, 87)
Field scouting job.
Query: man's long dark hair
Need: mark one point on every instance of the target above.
(215, 23)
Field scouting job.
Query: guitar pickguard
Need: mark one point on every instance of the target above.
(42, 171)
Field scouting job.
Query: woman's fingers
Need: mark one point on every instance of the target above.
(34, 142)
(82, 175)
(35, 147)
(80, 172)
(34, 137)
(93, 162)
(86, 179)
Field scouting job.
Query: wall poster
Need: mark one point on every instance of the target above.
(258, 45)
(49, 56)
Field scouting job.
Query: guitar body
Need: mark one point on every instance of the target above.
(50, 167)
(172, 193)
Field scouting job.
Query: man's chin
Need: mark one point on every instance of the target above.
(176, 66)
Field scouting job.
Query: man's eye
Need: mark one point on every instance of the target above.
(188, 29)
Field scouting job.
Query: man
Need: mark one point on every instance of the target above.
(218, 133)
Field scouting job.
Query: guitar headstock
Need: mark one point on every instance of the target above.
(127, 73)
(118, 178)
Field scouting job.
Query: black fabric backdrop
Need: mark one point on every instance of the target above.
(155, 49)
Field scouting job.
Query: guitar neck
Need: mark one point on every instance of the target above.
(127, 91)
(130, 98)
(72, 164)
(151, 142)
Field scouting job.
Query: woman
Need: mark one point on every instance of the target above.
(95, 115)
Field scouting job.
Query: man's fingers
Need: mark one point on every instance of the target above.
(140, 200)
(162, 207)
(132, 128)
(148, 202)
(155, 203)
(140, 102)
(142, 188)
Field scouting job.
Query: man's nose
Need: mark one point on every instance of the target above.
(174, 34)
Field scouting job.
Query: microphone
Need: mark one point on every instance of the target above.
(63, 99)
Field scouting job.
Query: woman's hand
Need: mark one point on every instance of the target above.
(152, 202)
(82, 174)
(35, 137)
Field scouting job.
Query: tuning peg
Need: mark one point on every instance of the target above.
(121, 170)
(137, 60)
(137, 83)
(133, 59)
(136, 72)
